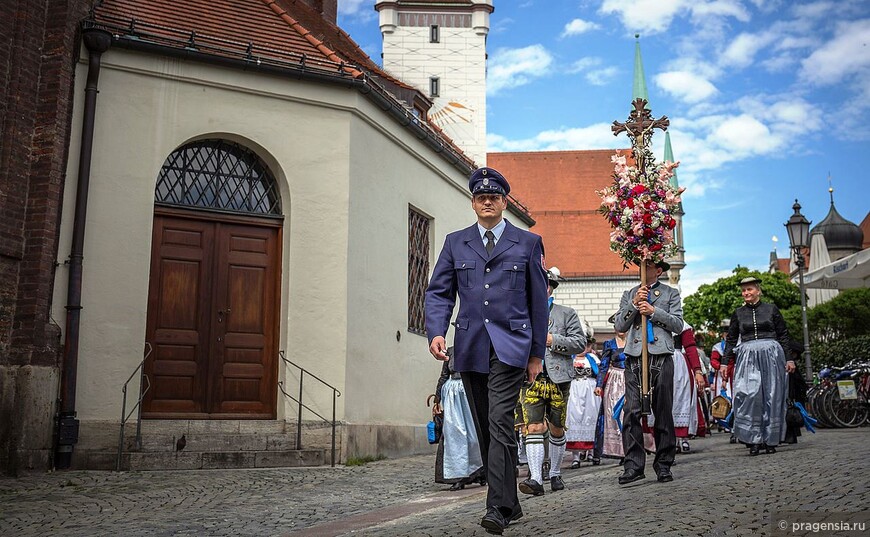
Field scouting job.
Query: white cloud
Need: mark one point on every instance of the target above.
(741, 51)
(692, 277)
(584, 63)
(352, 7)
(597, 136)
(845, 55)
(646, 16)
(744, 134)
(509, 68)
(602, 77)
(685, 85)
(579, 26)
(720, 8)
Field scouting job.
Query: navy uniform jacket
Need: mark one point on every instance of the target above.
(502, 298)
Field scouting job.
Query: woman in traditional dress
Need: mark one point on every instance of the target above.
(458, 460)
(688, 381)
(610, 385)
(719, 382)
(760, 380)
(583, 404)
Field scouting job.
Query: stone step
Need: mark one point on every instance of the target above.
(188, 427)
(200, 460)
(215, 442)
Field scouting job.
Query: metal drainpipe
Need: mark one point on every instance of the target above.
(96, 41)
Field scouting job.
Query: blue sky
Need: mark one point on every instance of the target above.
(766, 98)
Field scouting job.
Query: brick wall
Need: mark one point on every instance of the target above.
(38, 51)
(38, 48)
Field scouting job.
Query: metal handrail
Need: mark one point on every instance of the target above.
(300, 405)
(137, 407)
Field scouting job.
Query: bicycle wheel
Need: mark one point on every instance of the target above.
(844, 412)
(827, 407)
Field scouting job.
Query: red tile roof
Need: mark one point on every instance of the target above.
(559, 188)
(865, 227)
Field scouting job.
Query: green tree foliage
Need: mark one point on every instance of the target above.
(846, 315)
(837, 353)
(706, 308)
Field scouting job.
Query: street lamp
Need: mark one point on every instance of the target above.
(798, 228)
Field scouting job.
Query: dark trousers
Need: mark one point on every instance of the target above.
(661, 369)
(493, 398)
(598, 449)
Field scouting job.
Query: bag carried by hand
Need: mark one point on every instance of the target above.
(435, 425)
(434, 428)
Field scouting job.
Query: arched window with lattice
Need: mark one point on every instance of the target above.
(218, 175)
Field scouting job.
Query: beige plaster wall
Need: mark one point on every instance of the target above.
(147, 107)
(344, 263)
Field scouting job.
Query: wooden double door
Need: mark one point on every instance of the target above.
(213, 304)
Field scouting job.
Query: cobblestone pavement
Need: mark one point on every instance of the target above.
(718, 490)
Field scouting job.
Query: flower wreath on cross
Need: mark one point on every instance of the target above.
(640, 207)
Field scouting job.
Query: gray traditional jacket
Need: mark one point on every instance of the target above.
(568, 340)
(667, 320)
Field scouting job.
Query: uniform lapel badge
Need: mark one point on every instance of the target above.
(657, 292)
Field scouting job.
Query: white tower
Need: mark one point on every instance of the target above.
(440, 47)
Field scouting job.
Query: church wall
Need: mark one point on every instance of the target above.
(147, 107)
(347, 174)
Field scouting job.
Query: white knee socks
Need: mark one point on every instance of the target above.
(535, 453)
(557, 451)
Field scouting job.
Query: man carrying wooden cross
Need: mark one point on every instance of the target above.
(664, 313)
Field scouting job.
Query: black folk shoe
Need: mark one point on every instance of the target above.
(664, 475)
(530, 486)
(630, 476)
(494, 522)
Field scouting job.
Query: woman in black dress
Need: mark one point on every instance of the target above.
(760, 380)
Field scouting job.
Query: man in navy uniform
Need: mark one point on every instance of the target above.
(497, 271)
(663, 308)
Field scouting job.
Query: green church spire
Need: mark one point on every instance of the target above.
(669, 157)
(638, 89)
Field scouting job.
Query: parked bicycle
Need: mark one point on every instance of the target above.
(842, 397)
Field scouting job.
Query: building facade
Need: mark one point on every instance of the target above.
(235, 218)
(440, 48)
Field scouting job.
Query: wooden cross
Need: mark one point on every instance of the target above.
(639, 127)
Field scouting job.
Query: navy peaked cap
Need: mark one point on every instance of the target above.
(488, 181)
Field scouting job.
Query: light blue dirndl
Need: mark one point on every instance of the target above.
(760, 392)
(461, 446)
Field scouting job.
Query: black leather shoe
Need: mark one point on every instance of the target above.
(493, 521)
(575, 465)
(459, 485)
(530, 486)
(595, 461)
(754, 449)
(518, 514)
(556, 483)
(732, 440)
(770, 449)
(630, 476)
(664, 475)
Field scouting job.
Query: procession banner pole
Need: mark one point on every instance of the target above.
(645, 403)
(640, 204)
